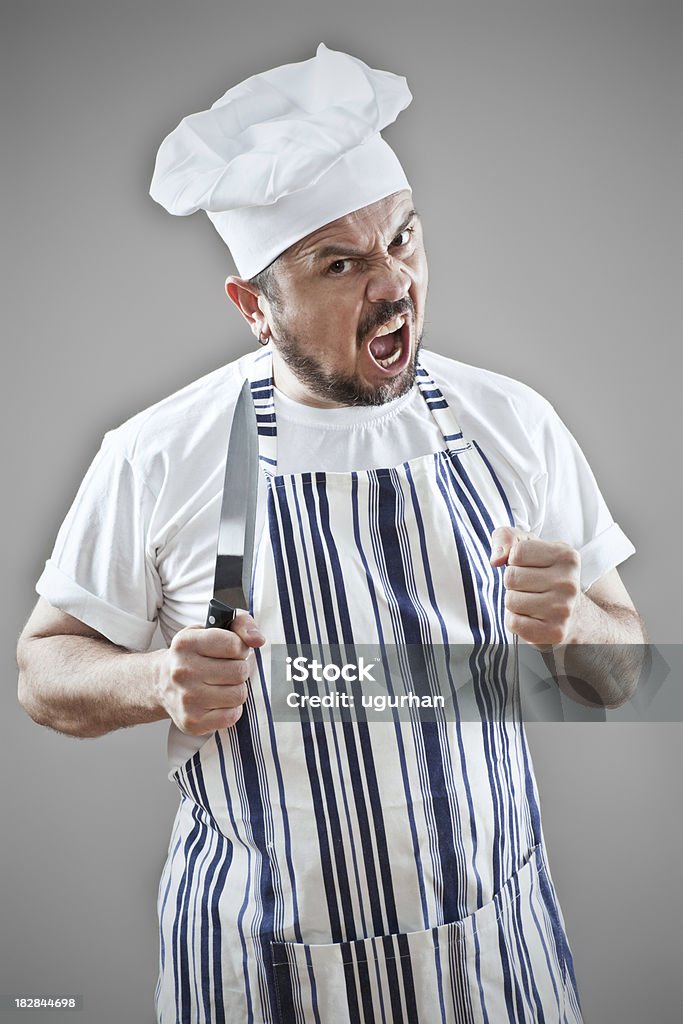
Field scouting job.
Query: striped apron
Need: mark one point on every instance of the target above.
(367, 872)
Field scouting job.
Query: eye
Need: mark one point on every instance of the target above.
(339, 267)
(403, 238)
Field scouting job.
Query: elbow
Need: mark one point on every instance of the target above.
(25, 690)
(46, 713)
(29, 696)
(41, 703)
(617, 700)
(35, 707)
(24, 694)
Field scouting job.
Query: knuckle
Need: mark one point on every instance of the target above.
(555, 634)
(569, 556)
(180, 673)
(232, 716)
(236, 696)
(183, 641)
(234, 673)
(512, 622)
(187, 705)
(561, 612)
(191, 725)
(236, 649)
(569, 586)
(242, 693)
(243, 670)
(521, 550)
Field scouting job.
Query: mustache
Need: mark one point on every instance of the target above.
(381, 314)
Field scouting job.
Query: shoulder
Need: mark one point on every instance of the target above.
(486, 400)
(511, 424)
(188, 428)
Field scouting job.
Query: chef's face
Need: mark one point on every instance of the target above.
(347, 313)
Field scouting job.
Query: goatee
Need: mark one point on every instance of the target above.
(335, 388)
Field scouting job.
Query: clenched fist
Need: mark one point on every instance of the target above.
(543, 585)
(204, 682)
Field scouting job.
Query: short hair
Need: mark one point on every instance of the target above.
(266, 282)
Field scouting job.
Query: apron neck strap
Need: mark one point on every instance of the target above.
(261, 381)
(441, 411)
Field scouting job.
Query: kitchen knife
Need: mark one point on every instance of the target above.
(232, 581)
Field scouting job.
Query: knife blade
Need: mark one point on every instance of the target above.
(235, 552)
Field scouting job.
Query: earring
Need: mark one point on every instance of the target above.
(263, 339)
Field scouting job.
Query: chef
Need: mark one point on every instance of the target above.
(334, 872)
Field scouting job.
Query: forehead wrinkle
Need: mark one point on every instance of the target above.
(342, 251)
(307, 249)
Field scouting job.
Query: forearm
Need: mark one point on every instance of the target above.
(86, 686)
(601, 662)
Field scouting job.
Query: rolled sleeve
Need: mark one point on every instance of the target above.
(103, 566)
(603, 553)
(117, 625)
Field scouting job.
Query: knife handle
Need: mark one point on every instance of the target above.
(219, 615)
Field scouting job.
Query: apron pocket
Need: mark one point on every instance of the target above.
(505, 954)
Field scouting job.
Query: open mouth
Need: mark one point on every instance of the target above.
(390, 347)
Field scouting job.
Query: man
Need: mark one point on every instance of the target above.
(363, 871)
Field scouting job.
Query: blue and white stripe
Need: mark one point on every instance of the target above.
(369, 871)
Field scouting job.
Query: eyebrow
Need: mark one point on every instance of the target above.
(341, 253)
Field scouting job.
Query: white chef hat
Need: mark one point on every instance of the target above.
(283, 153)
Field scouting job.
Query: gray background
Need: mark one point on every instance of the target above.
(542, 148)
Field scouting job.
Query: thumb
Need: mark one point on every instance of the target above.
(502, 539)
(247, 630)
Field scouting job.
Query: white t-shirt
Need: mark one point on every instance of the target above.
(138, 546)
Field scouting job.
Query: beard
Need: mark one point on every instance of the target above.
(333, 387)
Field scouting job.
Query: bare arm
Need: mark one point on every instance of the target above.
(75, 681)
(601, 660)
(593, 641)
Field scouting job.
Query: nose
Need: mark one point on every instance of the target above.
(389, 281)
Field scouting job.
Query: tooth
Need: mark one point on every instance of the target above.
(393, 325)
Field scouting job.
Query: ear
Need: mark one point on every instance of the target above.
(252, 305)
